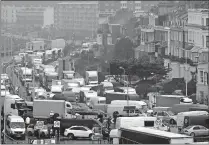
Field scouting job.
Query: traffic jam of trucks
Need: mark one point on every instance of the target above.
(59, 93)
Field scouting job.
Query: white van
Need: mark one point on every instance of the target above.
(15, 126)
(180, 117)
(97, 100)
(87, 95)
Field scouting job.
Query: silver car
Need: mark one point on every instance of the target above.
(196, 130)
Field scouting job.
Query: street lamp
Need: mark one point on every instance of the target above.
(126, 87)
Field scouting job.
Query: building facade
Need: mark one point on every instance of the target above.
(79, 17)
(35, 17)
(202, 83)
(9, 15)
(108, 8)
(198, 26)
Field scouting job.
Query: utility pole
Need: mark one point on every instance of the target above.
(186, 60)
(0, 70)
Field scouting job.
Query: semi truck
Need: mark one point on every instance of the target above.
(91, 77)
(43, 108)
(26, 74)
(15, 105)
(46, 79)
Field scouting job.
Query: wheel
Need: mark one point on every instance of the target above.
(30, 133)
(192, 134)
(23, 138)
(172, 121)
(70, 136)
(42, 134)
(91, 136)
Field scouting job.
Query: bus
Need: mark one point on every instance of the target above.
(144, 135)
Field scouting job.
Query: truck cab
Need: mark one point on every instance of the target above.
(86, 96)
(13, 104)
(47, 79)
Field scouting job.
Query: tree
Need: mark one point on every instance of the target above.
(123, 49)
(141, 67)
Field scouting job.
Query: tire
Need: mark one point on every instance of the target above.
(192, 134)
(70, 136)
(30, 133)
(23, 138)
(172, 121)
(90, 136)
(42, 134)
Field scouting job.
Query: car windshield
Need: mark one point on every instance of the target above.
(17, 125)
(109, 88)
(93, 78)
(188, 127)
(170, 113)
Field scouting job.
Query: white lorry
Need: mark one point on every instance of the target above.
(43, 108)
(91, 77)
(15, 105)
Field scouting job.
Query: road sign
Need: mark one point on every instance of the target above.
(57, 124)
(39, 124)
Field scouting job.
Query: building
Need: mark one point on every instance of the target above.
(134, 6)
(78, 17)
(165, 7)
(202, 83)
(38, 17)
(108, 8)
(198, 26)
(8, 15)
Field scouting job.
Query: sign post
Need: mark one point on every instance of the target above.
(57, 130)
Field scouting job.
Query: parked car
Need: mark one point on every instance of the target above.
(166, 116)
(196, 130)
(33, 131)
(78, 131)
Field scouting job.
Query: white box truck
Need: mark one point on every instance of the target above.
(91, 77)
(42, 108)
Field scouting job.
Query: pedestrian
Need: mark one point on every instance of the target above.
(27, 121)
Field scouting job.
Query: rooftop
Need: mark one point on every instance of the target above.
(158, 132)
(78, 2)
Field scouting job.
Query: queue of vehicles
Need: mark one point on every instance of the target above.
(78, 101)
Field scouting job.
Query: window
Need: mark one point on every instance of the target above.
(201, 94)
(83, 129)
(207, 41)
(196, 128)
(202, 21)
(207, 21)
(201, 77)
(205, 78)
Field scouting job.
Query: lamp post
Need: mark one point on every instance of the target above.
(125, 85)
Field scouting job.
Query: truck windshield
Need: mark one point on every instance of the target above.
(102, 102)
(21, 105)
(28, 76)
(93, 79)
(73, 85)
(17, 125)
(50, 78)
